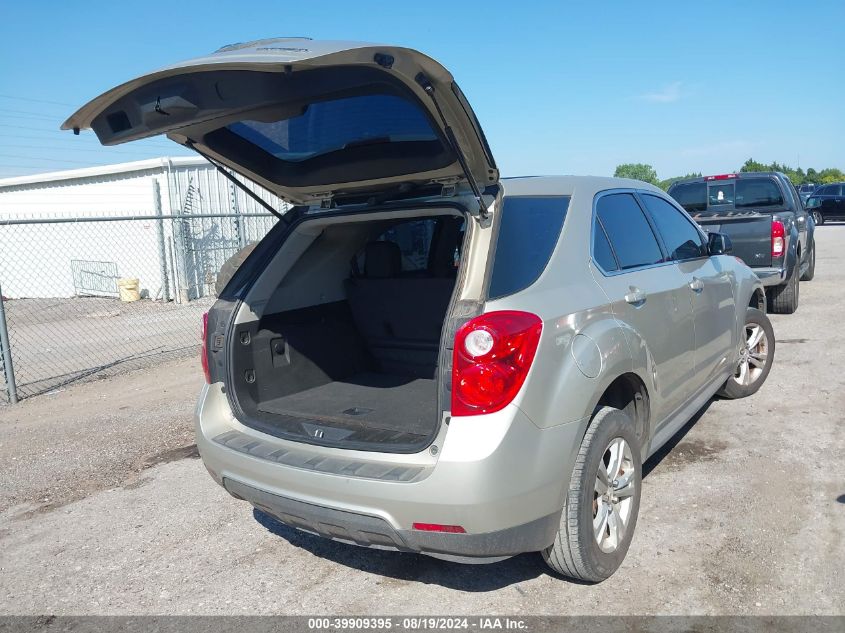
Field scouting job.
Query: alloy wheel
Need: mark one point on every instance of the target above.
(613, 495)
(753, 355)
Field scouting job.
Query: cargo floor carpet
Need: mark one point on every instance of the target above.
(376, 401)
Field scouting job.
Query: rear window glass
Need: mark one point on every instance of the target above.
(630, 233)
(529, 229)
(328, 126)
(757, 192)
(720, 194)
(692, 196)
(414, 241)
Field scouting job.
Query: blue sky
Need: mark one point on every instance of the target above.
(559, 87)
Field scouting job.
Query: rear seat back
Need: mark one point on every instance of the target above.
(399, 317)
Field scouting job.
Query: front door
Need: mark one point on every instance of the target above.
(714, 311)
(708, 285)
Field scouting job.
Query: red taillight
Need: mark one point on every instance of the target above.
(204, 351)
(778, 241)
(721, 177)
(436, 527)
(493, 353)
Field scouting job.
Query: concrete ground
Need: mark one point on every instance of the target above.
(104, 508)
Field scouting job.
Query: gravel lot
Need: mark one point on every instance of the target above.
(56, 342)
(105, 509)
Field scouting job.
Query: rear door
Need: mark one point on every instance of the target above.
(838, 197)
(709, 285)
(307, 120)
(647, 293)
(829, 202)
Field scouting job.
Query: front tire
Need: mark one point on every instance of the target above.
(757, 351)
(598, 520)
(818, 218)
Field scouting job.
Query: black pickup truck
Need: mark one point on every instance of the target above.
(765, 220)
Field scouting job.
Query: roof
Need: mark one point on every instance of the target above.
(732, 174)
(104, 170)
(567, 185)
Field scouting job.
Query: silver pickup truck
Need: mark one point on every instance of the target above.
(763, 216)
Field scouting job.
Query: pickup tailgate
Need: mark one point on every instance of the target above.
(750, 233)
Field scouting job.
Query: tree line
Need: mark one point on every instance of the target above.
(647, 173)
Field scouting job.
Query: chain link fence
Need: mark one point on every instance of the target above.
(64, 316)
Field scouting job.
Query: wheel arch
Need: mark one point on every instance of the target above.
(758, 299)
(629, 393)
(793, 252)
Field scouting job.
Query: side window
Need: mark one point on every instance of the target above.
(628, 230)
(602, 252)
(823, 191)
(681, 238)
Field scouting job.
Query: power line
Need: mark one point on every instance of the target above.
(52, 160)
(34, 129)
(29, 117)
(31, 100)
(147, 146)
(102, 150)
(65, 135)
(28, 114)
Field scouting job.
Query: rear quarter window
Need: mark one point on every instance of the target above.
(528, 231)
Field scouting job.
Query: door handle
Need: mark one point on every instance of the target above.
(635, 297)
(696, 285)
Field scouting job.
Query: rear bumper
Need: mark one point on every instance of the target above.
(370, 531)
(771, 276)
(499, 477)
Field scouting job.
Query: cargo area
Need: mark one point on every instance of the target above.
(346, 349)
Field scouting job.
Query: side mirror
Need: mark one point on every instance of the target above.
(719, 244)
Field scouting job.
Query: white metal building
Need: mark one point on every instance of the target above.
(43, 255)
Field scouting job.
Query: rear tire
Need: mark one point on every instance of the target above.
(598, 520)
(811, 269)
(784, 299)
(757, 351)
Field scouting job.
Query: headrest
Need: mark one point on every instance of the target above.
(382, 259)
